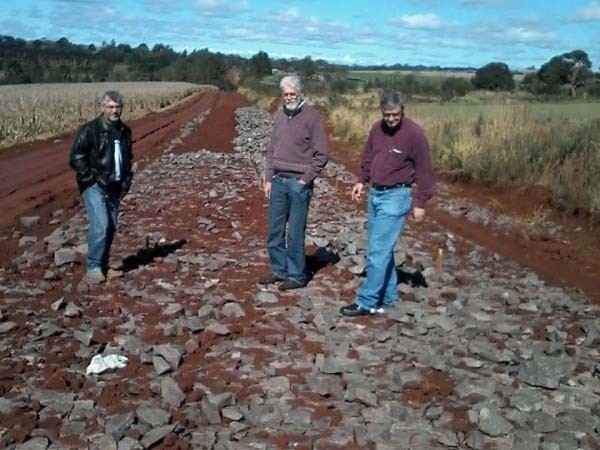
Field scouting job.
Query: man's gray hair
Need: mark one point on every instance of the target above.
(293, 82)
(111, 96)
(391, 100)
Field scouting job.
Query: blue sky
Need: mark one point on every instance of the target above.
(430, 32)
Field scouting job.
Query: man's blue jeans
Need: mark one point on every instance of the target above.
(386, 213)
(288, 204)
(102, 206)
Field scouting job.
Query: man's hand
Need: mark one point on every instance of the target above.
(418, 214)
(266, 188)
(357, 191)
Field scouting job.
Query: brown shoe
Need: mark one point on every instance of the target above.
(270, 279)
(113, 273)
(94, 276)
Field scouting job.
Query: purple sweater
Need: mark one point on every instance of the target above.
(297, 145)
(399, 157)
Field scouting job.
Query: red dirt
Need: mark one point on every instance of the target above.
(35, 178)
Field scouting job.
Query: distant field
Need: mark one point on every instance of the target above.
(33, 111)
(480, 102)
(383, 74)
(578, 111)
(368, 75)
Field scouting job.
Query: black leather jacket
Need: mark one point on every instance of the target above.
(92, 155)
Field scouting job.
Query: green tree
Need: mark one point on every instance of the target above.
(16, 75)
(307, 67)
(531, 83)
(572, 68)
(494, 76)
(259, 65)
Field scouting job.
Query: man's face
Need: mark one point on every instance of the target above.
(112, 111)
(291, 98)
(392, 116)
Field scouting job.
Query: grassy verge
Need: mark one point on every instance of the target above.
(554, 146)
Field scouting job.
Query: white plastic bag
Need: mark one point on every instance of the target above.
(101, 363)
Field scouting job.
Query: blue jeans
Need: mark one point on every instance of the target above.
(386, 213)
(288, 204)
(102, 206)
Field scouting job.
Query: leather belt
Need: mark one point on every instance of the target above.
(380, 187)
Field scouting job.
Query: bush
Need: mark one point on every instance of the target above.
(453, 87)
(494, 76)
(256, 85)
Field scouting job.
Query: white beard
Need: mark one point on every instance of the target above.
(292, 105)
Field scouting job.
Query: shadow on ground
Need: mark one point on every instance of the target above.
(321, 258)
(412, 278)
(146, 255)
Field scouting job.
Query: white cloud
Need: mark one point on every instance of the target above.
(220, 8)
(481, 2)
(208, 4)
(243, 33)
(290, 15)
(590, 13)
(82, 2)
(428, 21)
(522, 35)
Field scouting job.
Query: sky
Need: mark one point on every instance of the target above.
(446, 33)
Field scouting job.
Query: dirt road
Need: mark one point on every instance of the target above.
(480, 352)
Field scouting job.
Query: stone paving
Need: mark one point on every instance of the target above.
(478, 354)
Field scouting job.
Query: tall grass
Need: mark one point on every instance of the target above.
(41, 110)
(505, 146)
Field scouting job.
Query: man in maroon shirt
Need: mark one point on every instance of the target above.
(395, 157)
(296, 154)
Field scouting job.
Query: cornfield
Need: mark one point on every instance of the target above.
(36, 111)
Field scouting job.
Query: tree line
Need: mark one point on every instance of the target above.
(47, 61)
(62, 61)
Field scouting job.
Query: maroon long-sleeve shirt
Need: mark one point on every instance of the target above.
(297, 145)
(399, 156)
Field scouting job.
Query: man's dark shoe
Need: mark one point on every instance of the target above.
(354, 310)
(270, 279)
(291, 284)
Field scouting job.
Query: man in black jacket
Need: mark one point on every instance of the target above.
(101, 158)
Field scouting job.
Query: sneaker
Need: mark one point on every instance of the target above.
(113, 273)
(270, 279)
(355, 310)
(95, 276)
(291, 284)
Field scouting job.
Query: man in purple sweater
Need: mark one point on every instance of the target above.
(395, 157)
(296, 154)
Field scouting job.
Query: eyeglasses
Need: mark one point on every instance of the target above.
(391, 114)
(290, 94)
(113, 106)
